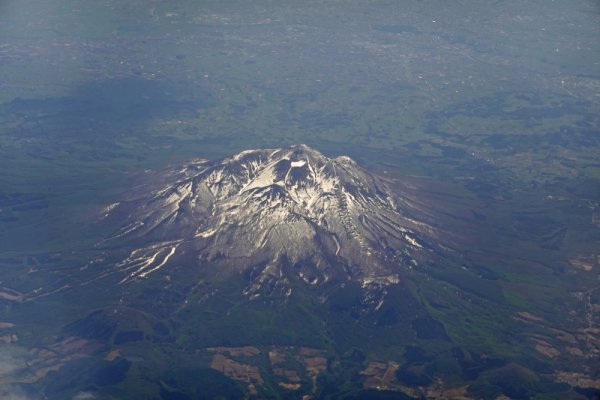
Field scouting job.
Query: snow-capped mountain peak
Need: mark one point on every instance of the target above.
(281, 213)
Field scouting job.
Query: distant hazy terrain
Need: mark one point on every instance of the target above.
(492, 107)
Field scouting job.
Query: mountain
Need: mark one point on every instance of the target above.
(275, 214)
(284, 273)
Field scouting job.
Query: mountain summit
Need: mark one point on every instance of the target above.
(275, 215)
